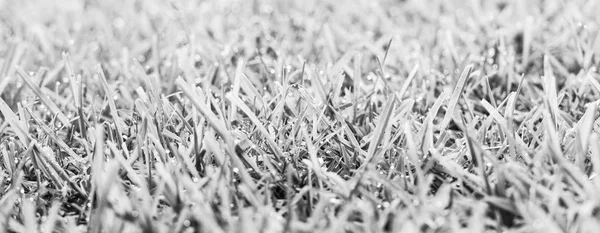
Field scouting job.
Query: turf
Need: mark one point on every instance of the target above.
(299, 116)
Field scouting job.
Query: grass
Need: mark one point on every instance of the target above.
(299, 116)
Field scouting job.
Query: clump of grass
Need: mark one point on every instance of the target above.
(312, 116)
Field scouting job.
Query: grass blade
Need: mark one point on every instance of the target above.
(111, 104)
(382, 125)
(549, 82)
(14, 121)
(242, 106)
(458, 89)
(43, 97)
(199, 102)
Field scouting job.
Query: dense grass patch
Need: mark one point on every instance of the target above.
(299, 116)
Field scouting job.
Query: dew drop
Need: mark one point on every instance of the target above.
(119, 23)
(386, 204)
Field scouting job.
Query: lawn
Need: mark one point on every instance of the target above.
(299, 116)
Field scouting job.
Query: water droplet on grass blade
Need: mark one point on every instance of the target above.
(118, 23)
(386, 204)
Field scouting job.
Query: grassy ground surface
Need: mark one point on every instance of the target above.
(299, 116)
